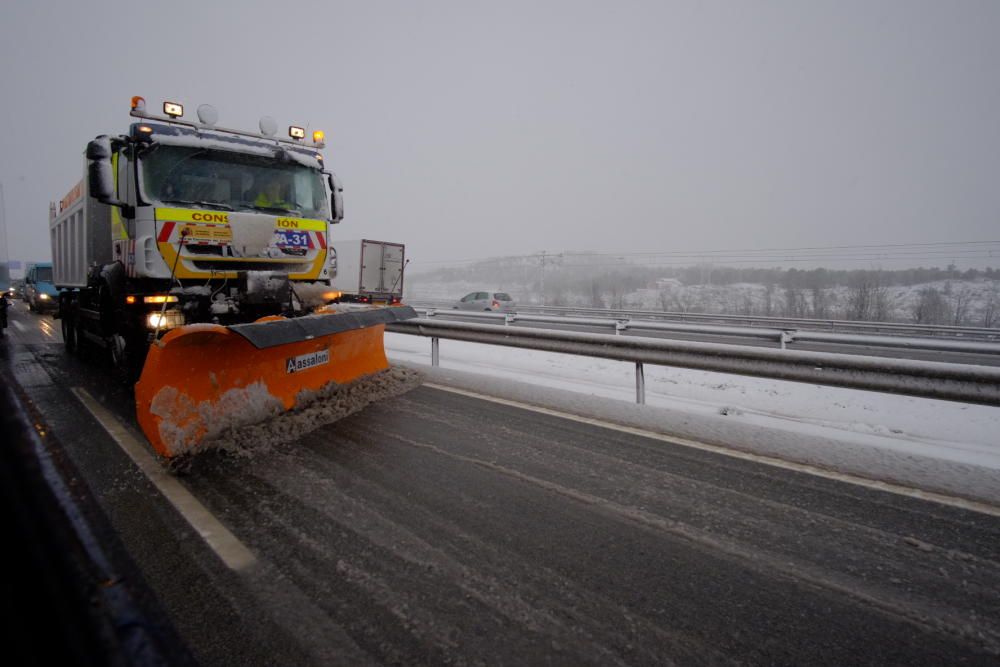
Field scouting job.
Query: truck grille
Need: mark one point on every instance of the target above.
(284, 267)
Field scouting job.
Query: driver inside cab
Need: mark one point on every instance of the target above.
(273, 194)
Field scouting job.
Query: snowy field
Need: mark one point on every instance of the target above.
(893, 430)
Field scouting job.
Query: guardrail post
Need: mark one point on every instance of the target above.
(620, 326)
(640, 384)
(508, 318)
(785, 338)
(431, 312)
(434, 351)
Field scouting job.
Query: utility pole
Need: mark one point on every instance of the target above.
(3, 226)
(543, 278)
(4, 250)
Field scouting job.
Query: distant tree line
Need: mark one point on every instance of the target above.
(946, 296)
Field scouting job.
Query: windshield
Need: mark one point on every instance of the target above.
(43, 274)
(191, 176)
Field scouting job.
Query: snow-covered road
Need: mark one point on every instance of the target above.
(897, 426)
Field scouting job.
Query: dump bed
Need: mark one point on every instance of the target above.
(80, 233)
(367, 268)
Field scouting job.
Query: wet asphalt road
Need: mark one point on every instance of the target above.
(435, 528)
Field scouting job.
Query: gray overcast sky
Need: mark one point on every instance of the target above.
(471, 129)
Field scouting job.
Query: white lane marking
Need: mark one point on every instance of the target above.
(888, 487)
(232, 552)
(18, 326)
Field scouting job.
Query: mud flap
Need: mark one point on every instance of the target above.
(200, 380)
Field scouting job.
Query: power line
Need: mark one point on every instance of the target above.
(894, 254)
(891, 250)
(687, 253)
(916, 254)
(735, 262)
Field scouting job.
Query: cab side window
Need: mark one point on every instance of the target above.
(126, 185)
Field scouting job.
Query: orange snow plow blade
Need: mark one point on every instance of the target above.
(201, 379)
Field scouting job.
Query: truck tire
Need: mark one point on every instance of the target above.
(83, 346)
(119, 358)
(127, 356)
(69, 333)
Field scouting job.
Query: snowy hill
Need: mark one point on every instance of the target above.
(930, 296)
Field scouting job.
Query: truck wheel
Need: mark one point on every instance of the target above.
(69, 333)
(126, 359)
(82, 348)
(119, 359)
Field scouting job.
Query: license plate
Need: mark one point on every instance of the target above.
(288, 239)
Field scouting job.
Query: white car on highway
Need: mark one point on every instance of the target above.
(489, 301)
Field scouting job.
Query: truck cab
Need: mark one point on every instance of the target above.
(181, 222)
(39, 291)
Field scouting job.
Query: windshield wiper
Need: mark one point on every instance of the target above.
(275, 209)
(224, 207)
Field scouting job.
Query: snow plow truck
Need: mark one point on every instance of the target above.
(197, 258)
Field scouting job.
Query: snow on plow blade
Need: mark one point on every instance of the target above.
(201, 379)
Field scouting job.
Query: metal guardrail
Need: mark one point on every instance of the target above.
(782, 337)
(755, 321)
(926, 379)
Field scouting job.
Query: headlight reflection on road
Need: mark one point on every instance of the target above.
(47, 329)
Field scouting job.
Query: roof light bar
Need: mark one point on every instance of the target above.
(208, 115)
(207, 118)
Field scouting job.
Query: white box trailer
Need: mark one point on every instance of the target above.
(80, 232)
(367, 270)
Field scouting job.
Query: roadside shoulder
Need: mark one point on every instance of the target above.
(836, 453)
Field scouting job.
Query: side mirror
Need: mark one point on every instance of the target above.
(336, 197)
(99, 148)
(100, 176)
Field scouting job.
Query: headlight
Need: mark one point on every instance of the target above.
(165, 320)
(43, 297)
(159, 298)
(173, 109)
